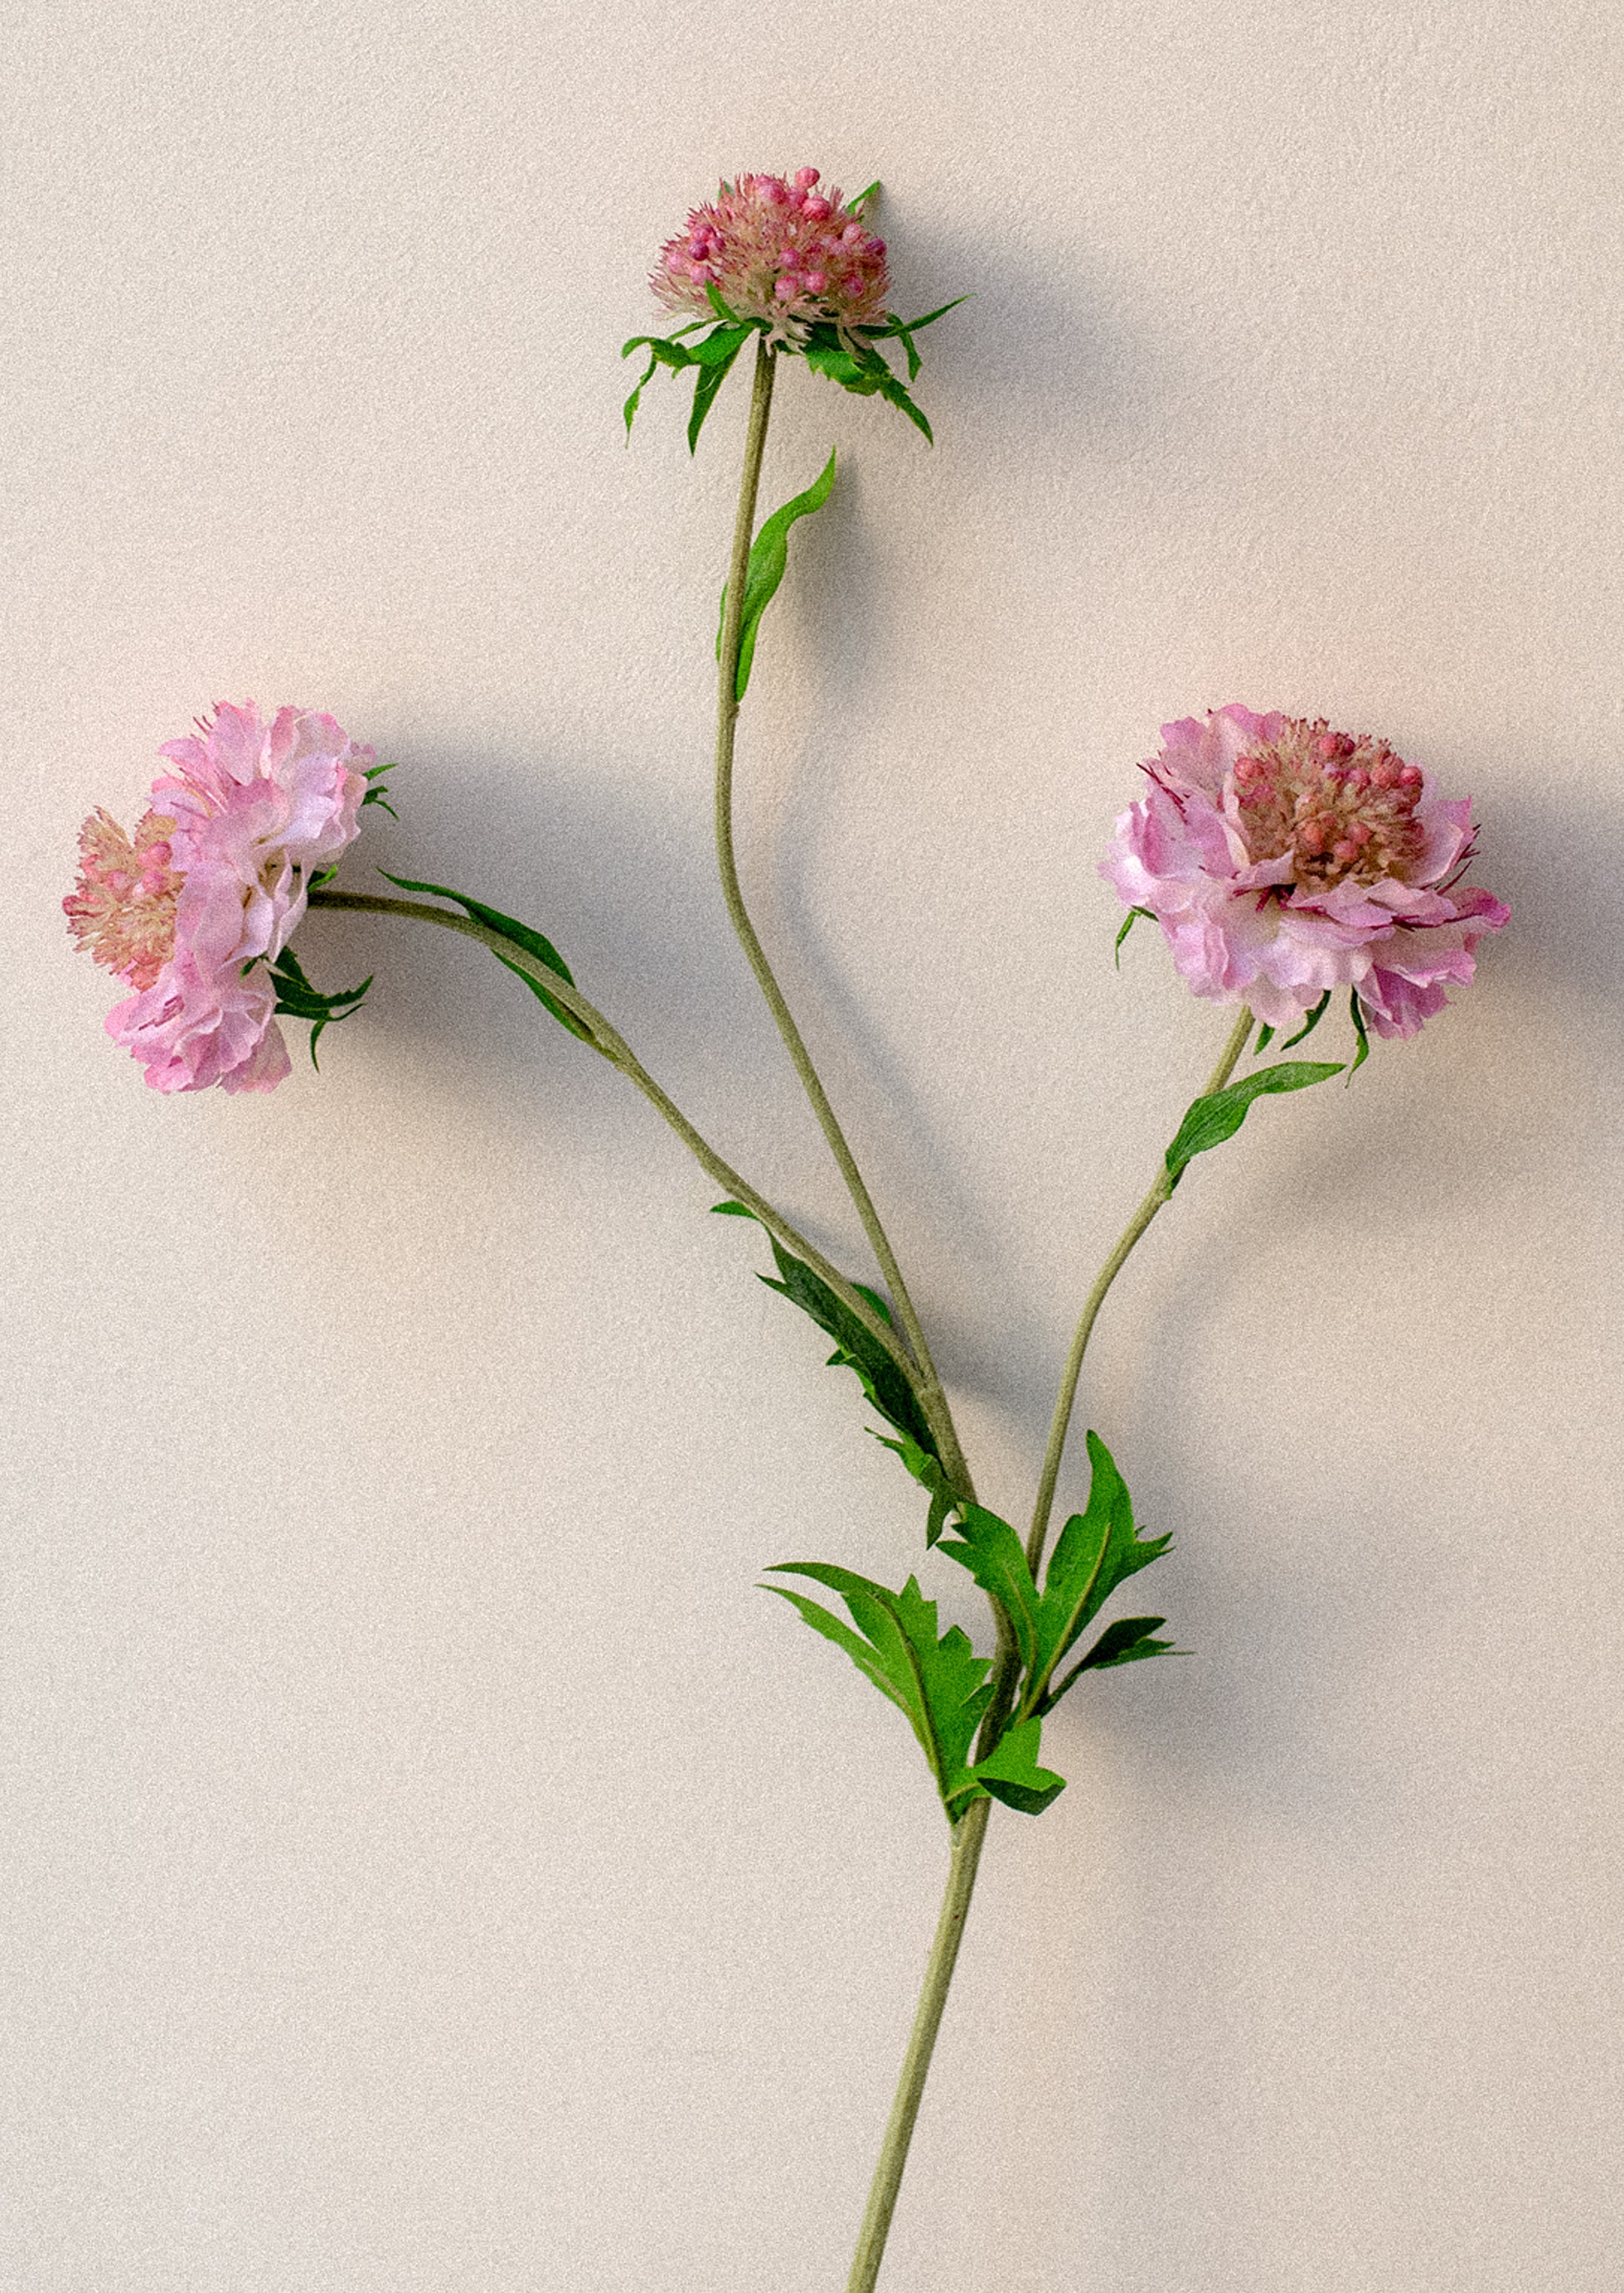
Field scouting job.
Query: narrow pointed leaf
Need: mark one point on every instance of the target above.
(1309, 1025)
(1218, 1114)
(768, 558)
(518, 934)
(1356, 1011)
(1128, 921)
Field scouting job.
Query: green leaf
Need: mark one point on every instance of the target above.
(1309, 1025)
(374, 794)
(895, 326)
(714, 357)
(768, 558)
(857, 205)
(881, 1378)
(1218, 1114)
(718, 349)
(927, 1468)
(518, 934)
(1097, 1550)
(937, 1679)
(856, 1347)
(1125, 1642)
(857, 367)
(990, 1549)
(1128, 921)
(1266, 1036)
(1356, 1010)
(732, 1210)
(1011, 1772)
(297, 999)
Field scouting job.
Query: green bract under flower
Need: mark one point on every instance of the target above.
(774, 257)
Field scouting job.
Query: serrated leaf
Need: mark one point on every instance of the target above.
(1097, 1550)
(927, 1468)
(936, 1679)
(990, 1549)
(1128, 921)
(856, 1349)
(519, 935)
(881, 1378)
(1218, 1114)
(859, 368)
(768, 561)
(1011, 1772)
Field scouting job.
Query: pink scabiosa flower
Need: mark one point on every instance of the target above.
(1283, 860)
(779, 250)
(195, 910)
(777, 257)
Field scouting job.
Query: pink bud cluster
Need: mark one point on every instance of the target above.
(1284, 859)
(1340, 807)
(217, 877)
(779, 250)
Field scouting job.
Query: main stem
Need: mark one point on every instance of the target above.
(933, 1400)
(968, 1834)
(1108, 1273)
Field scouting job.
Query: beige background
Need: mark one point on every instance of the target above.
(402, 1896)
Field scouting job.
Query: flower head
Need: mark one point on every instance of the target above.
(1284, 859)
(214, 880)
(779, 250)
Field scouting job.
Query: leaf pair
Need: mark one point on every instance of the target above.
(940, 1683)
(936, 1680)
(517, 935)
(855, 1348)
(297, 999)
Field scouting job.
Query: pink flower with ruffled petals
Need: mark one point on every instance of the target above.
(778, 249)
(216, 877)
(1282, 859)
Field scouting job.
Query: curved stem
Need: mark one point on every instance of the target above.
(933, 1400)
(1095, 1299)
(615, 1047)
(968, 1834)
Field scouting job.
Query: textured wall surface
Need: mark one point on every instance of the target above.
(401, 1896)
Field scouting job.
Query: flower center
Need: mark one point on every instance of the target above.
(1341, 806)
(121, 911)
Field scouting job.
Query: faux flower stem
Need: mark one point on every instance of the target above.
(1131, 1233)
(933, 1400)
(968, 1834)
(614, 1047)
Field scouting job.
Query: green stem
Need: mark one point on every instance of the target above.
(615, 1047)
(1108, 1274)
(968, 1834)
(928, 1386)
